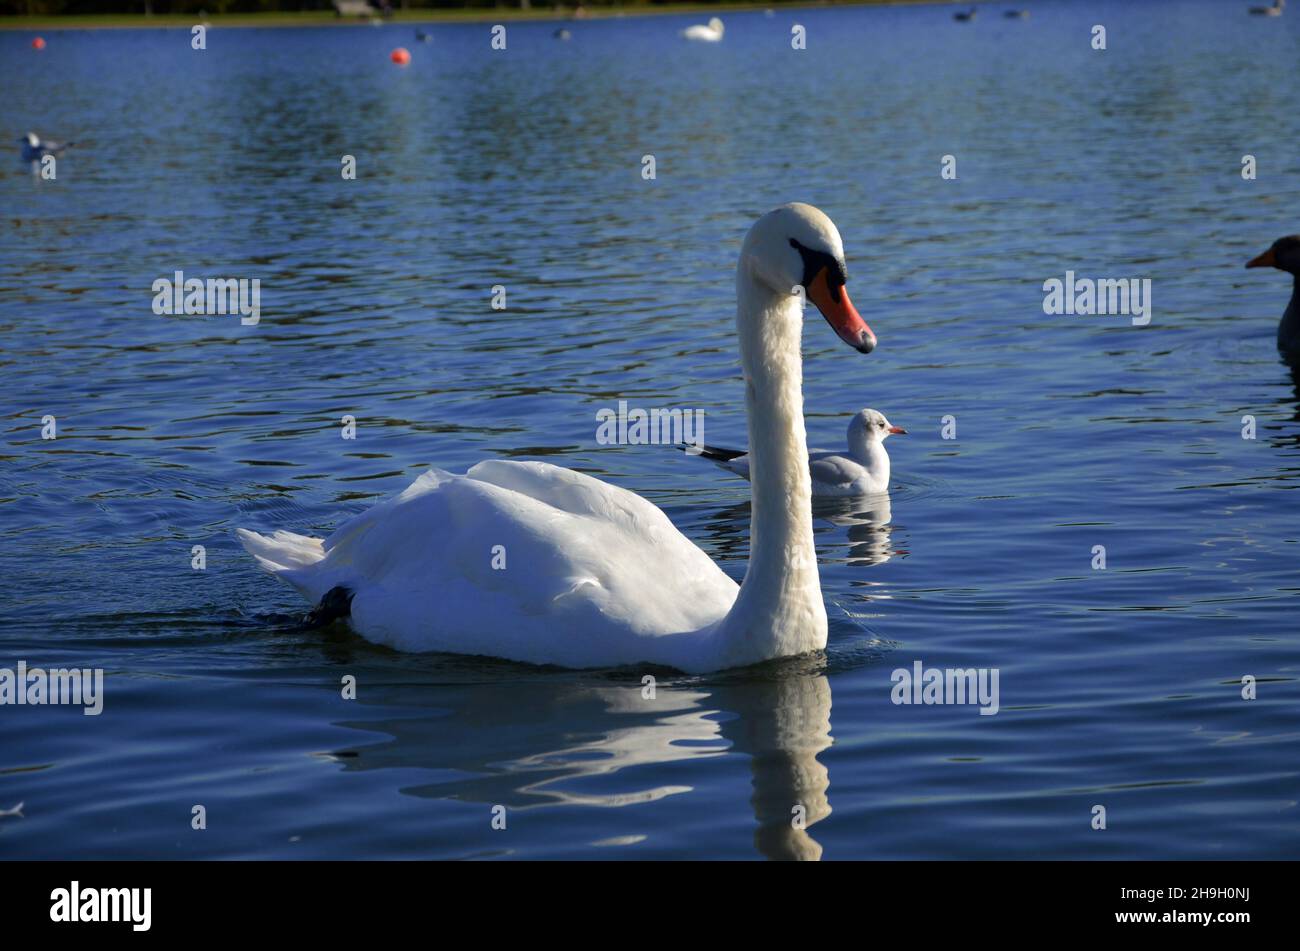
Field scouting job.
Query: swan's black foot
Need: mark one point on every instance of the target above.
(334, 606)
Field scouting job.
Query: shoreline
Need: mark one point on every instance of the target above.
(326, 18)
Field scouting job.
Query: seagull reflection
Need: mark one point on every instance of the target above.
(555, 740)
(867, 522)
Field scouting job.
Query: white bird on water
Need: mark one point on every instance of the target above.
(35, 148)
(597, 576)
(710, 32)
(864, 470)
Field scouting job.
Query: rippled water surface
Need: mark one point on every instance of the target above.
(1119, 687)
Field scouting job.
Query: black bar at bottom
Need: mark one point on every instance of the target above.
(332, 900)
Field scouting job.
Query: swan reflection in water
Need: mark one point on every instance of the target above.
(554, 735)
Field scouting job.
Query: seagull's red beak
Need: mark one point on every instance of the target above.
(898, 430)
(1264, 260)
(840, 313)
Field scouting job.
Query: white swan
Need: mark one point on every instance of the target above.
(863, 471)
(595, 576)
(710, 32)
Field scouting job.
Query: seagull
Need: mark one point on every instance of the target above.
(34, 149)
(863, 470)
(965, 17)
(1274, 11)
(1016, 14)
(16, 812)
(562, 34)
(422, 36)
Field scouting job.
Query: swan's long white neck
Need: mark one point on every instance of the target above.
(779, 611)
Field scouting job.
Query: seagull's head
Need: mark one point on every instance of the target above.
(869, 425)
(31, 138)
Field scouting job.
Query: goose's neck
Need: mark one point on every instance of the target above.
(779, 611)
(1288, 332)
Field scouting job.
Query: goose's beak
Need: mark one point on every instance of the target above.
(898, 430)
(1264, 260)
(841, 314)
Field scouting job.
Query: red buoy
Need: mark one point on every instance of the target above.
(401, 56)
(38, 43)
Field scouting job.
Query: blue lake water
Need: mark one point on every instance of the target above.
(1119, 687)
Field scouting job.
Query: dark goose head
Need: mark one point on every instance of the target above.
(1283, 255)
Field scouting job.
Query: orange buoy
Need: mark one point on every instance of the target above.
(38, 43)
(401, 56)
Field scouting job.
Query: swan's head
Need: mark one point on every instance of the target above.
(716, 25)
(797, 247)
(869, 426)
(1283, 255)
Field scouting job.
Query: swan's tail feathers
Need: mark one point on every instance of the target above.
(295, 559)
(282, 551)
(717, 454)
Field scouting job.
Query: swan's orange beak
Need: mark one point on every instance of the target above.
(840, 313)
(1264, 260)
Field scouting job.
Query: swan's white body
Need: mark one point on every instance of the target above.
(863, 470)
(710, 32)
(595, 576)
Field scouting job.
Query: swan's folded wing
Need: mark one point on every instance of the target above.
(518, 546)
(355, 528)
(618, 550)
(573, 492)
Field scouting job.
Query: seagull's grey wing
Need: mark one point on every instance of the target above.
(830, 468)
(739, 465)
